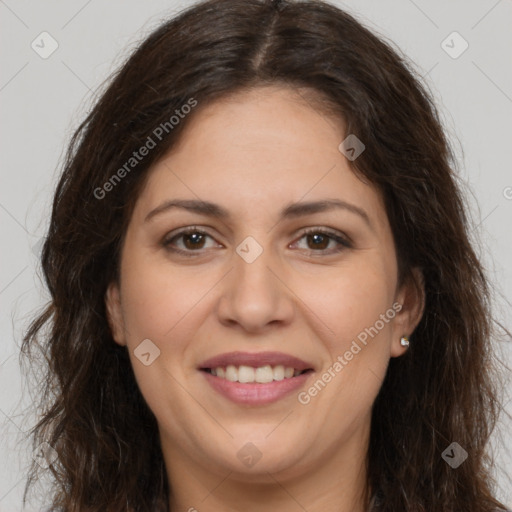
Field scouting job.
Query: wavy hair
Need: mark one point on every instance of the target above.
(442, 390)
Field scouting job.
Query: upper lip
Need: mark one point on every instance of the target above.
(255, 359)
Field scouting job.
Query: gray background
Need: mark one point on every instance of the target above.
(43, 100)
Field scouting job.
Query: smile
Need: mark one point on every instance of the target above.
(261, 374)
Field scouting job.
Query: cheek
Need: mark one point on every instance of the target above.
(159, 304)
(353, 304)
(156, 297)
(350, 299)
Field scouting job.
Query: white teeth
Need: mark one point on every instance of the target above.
(264, 374)
(248, 374)
(231, 373)
(245, 374)
(279, 372)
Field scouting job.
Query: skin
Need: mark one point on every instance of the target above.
(254, 154)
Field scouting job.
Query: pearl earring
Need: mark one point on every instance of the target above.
(404, 341)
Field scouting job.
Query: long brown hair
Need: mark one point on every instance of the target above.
(92, 412)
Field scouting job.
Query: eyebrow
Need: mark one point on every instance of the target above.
(294, 210)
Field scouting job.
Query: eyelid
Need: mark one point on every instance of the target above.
(343, 241)
(166, 241)
(334, 233)
(339, 237)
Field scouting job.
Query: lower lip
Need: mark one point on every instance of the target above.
(255, 393)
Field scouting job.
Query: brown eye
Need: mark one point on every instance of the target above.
(187, 241)
(193, 240)
(318, 241)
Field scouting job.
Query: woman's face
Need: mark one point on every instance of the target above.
(251, 288)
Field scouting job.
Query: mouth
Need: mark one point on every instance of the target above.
(260, 375)
(259, 367)
(256, 379)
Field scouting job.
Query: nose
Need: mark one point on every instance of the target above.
(255, 295)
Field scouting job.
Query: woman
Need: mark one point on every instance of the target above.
(263, 293)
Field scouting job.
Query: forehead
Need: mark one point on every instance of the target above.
(262, 147)
(264, 119)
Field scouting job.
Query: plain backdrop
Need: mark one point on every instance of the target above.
(42, 100)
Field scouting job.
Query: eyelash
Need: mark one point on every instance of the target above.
(343, 242)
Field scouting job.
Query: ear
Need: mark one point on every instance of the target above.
(114, 313)
(411, 296)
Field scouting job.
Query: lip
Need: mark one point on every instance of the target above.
(256, 359)
(255, 393)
